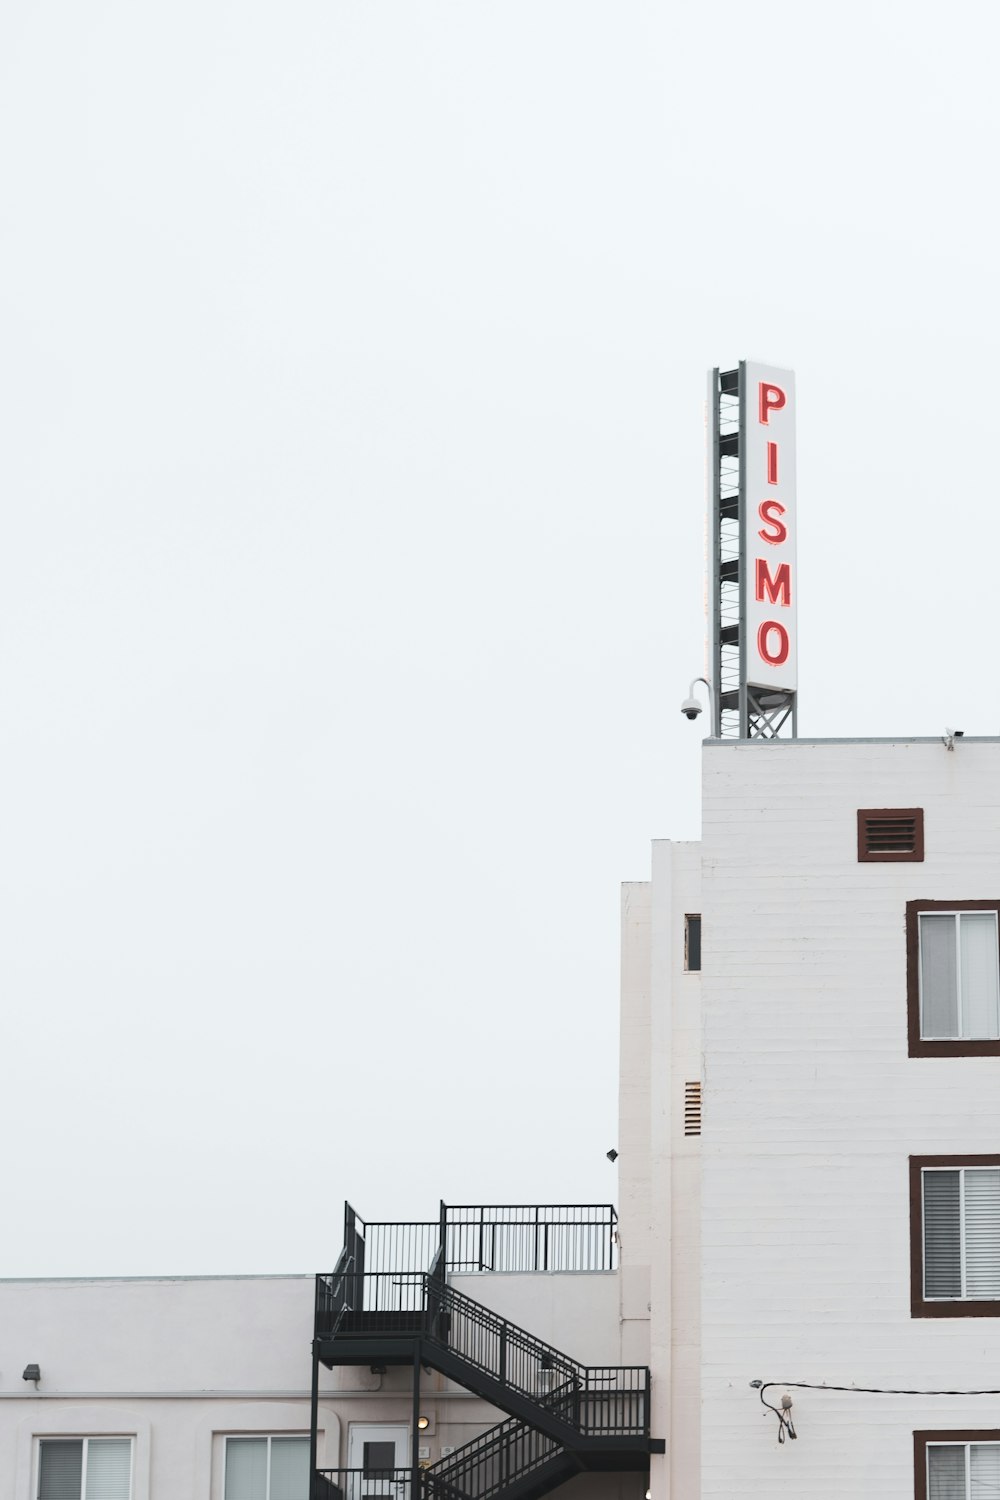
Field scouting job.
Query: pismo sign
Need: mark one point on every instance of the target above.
(769, 496)
(754, 650)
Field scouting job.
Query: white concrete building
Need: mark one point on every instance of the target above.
(837, 1220)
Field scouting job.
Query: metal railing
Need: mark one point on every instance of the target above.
(606, 1400)
(383, 1257)
(530, 1237)
(364, 1484)
(337, 1294)
(484, 1467)
(380, 1270)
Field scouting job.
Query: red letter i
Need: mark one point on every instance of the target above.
(772, 463)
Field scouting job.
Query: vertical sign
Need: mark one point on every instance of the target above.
(771, 581)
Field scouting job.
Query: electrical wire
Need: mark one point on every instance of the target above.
(785, 1421)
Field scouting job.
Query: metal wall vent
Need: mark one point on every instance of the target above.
(890, 833)
(692, 1108)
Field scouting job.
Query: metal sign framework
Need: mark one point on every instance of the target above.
(741, 711)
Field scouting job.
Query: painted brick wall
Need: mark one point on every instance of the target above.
(812, 1107)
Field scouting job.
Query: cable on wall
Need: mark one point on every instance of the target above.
(784, 1412)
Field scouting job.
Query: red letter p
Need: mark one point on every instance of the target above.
(771, 398)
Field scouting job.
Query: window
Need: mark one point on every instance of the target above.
(85, 1468)
(267, 1468)
(890, 834)
(953, 978)
(692, 943)
(956, 1465)
(955, 1236)
(379, 1460)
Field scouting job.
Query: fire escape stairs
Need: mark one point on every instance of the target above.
(512, 1461)
(563, 1417)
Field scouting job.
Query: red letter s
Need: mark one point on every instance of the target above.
(769, 511)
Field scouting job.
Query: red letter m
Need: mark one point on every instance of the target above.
(779, 588)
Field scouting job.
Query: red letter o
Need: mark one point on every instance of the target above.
(778, 658)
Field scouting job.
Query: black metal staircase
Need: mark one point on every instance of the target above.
(513, 1461)
(564, 1416)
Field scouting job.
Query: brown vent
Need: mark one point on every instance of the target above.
(692, 1108)
(890, 833)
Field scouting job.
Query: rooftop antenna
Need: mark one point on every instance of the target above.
(753, 662)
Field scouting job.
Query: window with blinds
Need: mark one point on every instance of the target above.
(85, 1468)
(267, 1468)
(959, 975)
(961, 1232)
(962, 1471)
(890, 834)
(953, 978)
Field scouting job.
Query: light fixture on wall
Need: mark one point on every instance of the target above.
(32, 1372)
(423, 1423)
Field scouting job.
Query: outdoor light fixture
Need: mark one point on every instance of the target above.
(32, 1372)
(612, 1155)
(423, 1423)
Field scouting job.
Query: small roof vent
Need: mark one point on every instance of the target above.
(692, 1108)
(890, 833)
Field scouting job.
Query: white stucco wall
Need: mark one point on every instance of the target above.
(659, 1171)
(176, 1364)
(179, 1363)
(574, 1311)
(812, 1107)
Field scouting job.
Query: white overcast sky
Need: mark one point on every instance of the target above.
(351, 566)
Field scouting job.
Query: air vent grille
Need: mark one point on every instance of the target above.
(692, 1108)
(890, 833)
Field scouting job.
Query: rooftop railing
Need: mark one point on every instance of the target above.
(530, 1237)
(383, 1262)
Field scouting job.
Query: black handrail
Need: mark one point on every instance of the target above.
(484, 1467)
(530, 1237)
(607, 1399)
(356, 1484)
(489, 1237)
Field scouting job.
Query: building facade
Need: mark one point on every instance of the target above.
(156, 1388)
(840, 1208)
(809, 1209)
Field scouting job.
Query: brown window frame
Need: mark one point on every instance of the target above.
(958, 1046)
(914, 856)
(951, 1307)
(923, 1440)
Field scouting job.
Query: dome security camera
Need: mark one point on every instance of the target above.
(690, 708)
